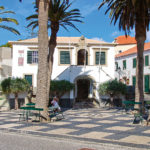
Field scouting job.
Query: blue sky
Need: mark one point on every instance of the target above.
(96, 24)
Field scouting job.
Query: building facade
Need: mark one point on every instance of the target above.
(5, 62)
(124, 43)
(84, 62)
(126, 67)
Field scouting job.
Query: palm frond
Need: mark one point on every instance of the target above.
(10, 29)
(9, 20)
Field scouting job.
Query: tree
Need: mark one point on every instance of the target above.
(132, 14)
(58, 15)
(60, 87)
(6, 45)
(15, 86)
(8, 20)
(112, 88)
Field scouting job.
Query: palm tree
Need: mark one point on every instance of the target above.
(12, 20)
(58, 15)
(132, 14)
(15, 86)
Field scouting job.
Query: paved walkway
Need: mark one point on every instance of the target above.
(91, 125)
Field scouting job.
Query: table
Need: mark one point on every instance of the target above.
(27, 112)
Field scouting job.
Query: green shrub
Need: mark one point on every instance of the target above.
(60, 87)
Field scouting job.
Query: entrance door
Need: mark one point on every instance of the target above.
(83, 88)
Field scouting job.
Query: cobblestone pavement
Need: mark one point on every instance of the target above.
(91, 125)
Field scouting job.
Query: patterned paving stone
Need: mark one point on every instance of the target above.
(147, 132)
(61, 131)
(107, 121)
(81, 120)
(87, 125)
(60, 123)
(97, 124)
(96, 135)
(32, 128)
(136, 139)
(120, 128)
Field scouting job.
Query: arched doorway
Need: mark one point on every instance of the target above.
(82, 57)
(83, 89)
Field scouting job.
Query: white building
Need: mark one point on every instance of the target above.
(124, 43)
(76, 59)
(5, 62)
(126, 67)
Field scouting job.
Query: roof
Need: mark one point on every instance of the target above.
(125, 40)
(133, 50)
(61, 40)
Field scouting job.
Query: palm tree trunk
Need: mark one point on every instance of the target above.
(140, 38)
(52, 45)
(16, 101)
(41, 96)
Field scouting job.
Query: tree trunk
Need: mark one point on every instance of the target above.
(41, 96)
(140, 36)
(52, 45)
(16, 101)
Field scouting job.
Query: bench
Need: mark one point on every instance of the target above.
(138, 116)
(129, 105)
(53, 112)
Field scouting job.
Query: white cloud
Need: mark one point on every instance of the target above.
(98, 39)
(88, 9)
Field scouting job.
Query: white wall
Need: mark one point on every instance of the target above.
(66, 72)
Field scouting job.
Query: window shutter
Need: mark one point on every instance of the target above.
(134, 81)
(29, 57)
(146, 83)
(124, 64)
(134, 63)
(146, 60)
(64, 57)
(102, 59)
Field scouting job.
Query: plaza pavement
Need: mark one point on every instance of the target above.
(89, 125)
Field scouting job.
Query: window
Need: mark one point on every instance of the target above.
(147, 60)
(134, 63)
(100, 58)
(28, 78)
(133, 80)
(32, 57)
(64, 57)
(124, 65)
(117, 67)
(146, 83)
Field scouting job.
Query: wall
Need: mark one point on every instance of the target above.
(123, 48)
(5, 62)
(67, 72)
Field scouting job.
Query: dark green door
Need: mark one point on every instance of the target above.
(29, 78)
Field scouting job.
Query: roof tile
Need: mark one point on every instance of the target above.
(133, 50)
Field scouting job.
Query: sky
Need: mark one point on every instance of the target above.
(96, 24)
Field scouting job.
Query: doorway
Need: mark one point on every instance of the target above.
(83, 89)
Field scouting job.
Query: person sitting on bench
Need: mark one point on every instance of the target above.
(55, 106)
